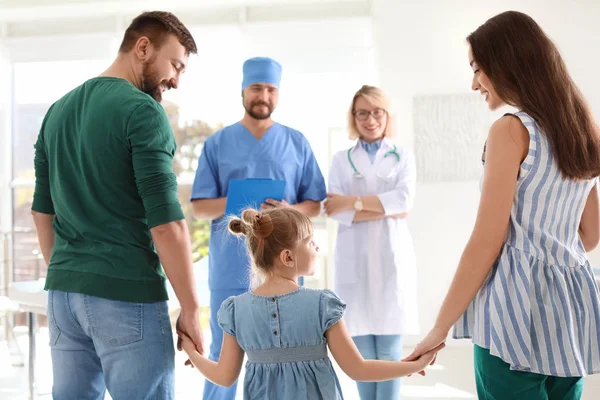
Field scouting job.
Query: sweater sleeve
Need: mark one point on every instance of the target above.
(153, 147)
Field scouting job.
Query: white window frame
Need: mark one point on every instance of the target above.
(6, 197)
(14, 51)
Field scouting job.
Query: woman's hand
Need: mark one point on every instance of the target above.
(432, 343)
(428, 358)
(336, 203)
(434, 338)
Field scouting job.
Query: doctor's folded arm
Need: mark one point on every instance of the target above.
(371, 193)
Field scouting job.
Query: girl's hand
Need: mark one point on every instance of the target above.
(428, 358)
(433, 339)
(186, 343)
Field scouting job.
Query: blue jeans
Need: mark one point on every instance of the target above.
(212, 391)
(99, 344)
(379, 347)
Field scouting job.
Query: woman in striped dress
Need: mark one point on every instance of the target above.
(524, 290)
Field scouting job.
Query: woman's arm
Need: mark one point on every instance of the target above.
(362, 216)
(227, 370)
(400, 199)
(340, 210)
(504, 156)
(395, 204)
(337, 204)
(507, 147)
(348, 357)
(589, 226)
(372, 204)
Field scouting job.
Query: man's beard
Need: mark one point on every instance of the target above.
(258, 116)
(151, 83)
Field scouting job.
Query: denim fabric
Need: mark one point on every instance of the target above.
(99, 344)
(379, 347)
(282, 333)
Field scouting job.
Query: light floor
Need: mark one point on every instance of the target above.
(450, 378)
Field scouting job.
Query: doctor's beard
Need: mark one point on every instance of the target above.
(258, 115)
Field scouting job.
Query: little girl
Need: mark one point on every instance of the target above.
(284, 328)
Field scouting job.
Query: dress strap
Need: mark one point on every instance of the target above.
(276, 355)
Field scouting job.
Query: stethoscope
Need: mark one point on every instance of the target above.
(392, 152)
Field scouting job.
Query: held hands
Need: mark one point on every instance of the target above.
(186, 343)
(432, 343)
(270, 203)
(188, 323)
(336, 203)
(428, 358)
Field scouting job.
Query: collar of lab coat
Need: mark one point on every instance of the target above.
(386, 143)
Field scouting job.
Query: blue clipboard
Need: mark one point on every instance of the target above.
(244, 193)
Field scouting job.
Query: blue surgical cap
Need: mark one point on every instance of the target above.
(261, 70)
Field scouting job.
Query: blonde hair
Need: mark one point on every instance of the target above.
(267, 234)
(377, 98)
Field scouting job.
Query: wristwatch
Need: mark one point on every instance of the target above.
(358, 204)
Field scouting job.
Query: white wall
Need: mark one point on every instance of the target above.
(421, 49)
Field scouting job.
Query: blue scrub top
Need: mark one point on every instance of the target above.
(234, 153)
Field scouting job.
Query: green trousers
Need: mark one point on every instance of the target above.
(496, 381)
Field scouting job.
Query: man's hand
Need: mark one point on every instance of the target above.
(188, 323)
(270, 203)
(186, 343)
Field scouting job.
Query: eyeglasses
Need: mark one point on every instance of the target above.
(363, 115)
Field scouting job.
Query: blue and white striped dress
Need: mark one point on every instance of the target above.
(539, 308)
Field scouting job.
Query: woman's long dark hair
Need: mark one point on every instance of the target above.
(528, 73)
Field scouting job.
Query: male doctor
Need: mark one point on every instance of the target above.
(255, 147)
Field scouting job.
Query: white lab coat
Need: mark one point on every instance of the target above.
(374, 262)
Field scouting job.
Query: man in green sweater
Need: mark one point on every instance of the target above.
(107, 215)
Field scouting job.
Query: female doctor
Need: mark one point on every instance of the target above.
(372, 189)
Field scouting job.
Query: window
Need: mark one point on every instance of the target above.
(324, 64)
(30, 106)
(190, 136)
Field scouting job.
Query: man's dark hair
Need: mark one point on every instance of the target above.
(157, 26)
